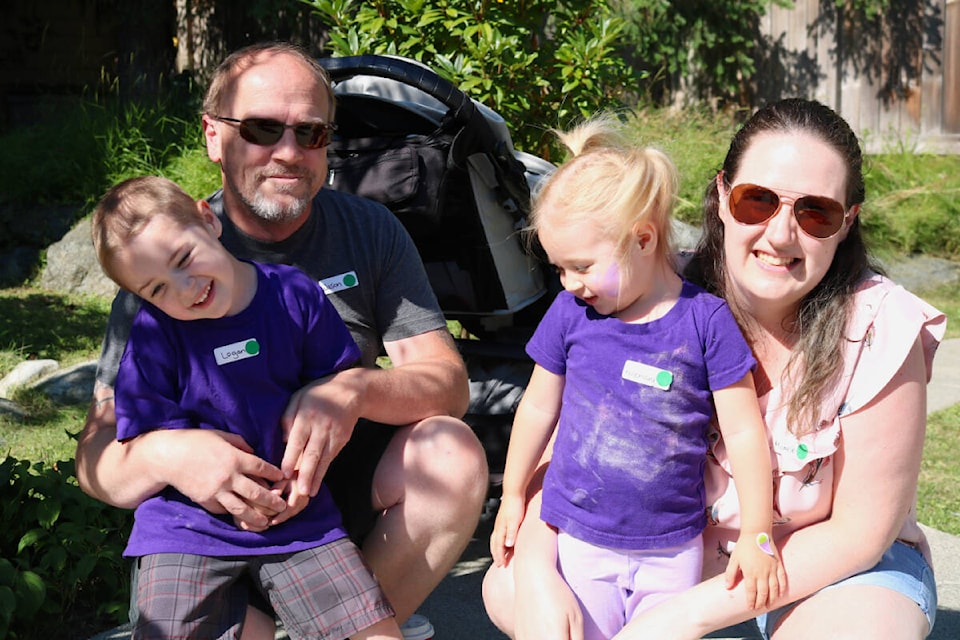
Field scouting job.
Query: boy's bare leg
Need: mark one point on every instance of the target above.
(383, 630)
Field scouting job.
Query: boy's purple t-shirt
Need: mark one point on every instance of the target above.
(628, 462)
(232, 374)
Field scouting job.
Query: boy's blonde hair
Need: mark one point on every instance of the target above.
(612, 182)
(126, 209)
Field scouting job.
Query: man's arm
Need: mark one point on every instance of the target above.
(427, 378)
(214, 469)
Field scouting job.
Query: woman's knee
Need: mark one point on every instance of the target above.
(853, 612)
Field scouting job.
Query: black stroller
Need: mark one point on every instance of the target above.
(446, 166)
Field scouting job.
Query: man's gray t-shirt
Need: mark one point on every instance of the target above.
(357, 249)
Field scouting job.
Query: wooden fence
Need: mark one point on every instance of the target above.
(898, 85)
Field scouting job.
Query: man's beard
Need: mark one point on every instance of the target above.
(285, 207)
(274, 211)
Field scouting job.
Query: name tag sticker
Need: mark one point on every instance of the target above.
(343, 281)
(237, 351)
(646, 375)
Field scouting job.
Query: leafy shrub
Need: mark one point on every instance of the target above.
(60, 553)
(538, 63)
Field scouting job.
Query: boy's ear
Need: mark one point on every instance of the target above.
(209, 218)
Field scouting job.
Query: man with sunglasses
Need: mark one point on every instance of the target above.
(408, 476)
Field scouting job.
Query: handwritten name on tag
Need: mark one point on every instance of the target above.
(237, 351)
(647, 375)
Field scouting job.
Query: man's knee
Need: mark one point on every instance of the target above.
(439, 460)
(460, 456)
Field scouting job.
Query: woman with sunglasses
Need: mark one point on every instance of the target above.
(844, 356)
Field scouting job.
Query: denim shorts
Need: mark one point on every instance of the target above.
(902, 569)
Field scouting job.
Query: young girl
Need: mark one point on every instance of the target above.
(632, 363)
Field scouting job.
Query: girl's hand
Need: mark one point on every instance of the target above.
(509, 516)
(757, 560)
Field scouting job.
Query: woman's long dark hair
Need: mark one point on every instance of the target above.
(822, 317)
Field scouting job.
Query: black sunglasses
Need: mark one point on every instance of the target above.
(818, 216)
(265, 132)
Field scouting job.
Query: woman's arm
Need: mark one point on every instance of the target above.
(877, 466)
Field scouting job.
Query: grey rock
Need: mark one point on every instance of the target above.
(72, 265)
(73, 385)
(11, 409)
(25, 373)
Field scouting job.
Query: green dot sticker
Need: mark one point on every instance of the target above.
(350, 280)
(664, 379)
(802, 451)
(252, 347)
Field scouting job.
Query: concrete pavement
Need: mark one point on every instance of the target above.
(457, 612)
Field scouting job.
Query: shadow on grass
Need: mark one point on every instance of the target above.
(49, 325)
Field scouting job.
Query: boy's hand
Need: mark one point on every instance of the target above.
(757, 559)
(509, 516)
(289, 490)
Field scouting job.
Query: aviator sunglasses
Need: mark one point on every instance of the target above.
(818, 216)
(265, 132)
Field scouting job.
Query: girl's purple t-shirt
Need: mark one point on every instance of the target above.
(232, 374)
(628, 462)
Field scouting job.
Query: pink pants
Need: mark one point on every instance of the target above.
(614, 585)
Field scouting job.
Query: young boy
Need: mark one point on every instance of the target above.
(222, 344)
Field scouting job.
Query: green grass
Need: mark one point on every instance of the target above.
(947, 299)
(37, 324)
(938, 499)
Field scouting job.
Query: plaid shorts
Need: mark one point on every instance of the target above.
(324, 592)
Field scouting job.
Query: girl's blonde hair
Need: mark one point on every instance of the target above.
(612, 182)
(126, 209)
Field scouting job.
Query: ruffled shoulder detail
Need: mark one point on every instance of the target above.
(886, 322)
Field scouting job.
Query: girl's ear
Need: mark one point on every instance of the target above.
(646, 237)
(210, 221)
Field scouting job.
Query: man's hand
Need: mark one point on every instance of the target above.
(218, 471)
(318, 422)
